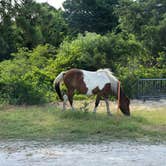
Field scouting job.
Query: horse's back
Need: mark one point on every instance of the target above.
(85, 81)
(72, 76)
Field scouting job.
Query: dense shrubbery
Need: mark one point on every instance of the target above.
(28, 77)
(25, 79)
(122, 53)
(93, 51)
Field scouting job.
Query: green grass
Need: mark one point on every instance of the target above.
(47, 122)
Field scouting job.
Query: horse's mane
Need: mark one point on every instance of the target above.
(113, 79)
(106, 70)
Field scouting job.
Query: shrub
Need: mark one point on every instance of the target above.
(28, 77)
(94, 51)
(25, 79)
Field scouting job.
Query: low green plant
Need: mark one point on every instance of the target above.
(85, 108)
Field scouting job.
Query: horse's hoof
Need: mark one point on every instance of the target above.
(63, 109)
(109, 114)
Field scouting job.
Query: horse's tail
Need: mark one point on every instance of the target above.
(56, 84)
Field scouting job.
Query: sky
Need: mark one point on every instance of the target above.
(56, 3)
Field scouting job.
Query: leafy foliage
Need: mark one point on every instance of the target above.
(7, 39)
(94, 51)
(27, 24)
(25, 79)
(146, 19)
(93, 16)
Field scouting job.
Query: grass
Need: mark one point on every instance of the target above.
(48, 122)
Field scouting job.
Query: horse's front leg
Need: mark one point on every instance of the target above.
(96, 103)
(107, 105)
(65, 98)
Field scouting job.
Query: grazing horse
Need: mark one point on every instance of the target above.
(101, 83)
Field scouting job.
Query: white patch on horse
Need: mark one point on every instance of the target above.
(112, 78)
(94, 80)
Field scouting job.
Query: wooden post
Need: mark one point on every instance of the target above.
(118, 100)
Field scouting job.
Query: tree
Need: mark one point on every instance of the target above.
(147, 20)
(26, 23)
(93, 16)
(52, 25)
(6, 30)
(27, 16)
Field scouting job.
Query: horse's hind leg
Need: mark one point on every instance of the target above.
(96, 103)
(70, 94)
(107, 105)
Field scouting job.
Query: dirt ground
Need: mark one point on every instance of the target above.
(134, 105)
(21, 153)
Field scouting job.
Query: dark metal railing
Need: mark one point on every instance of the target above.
(151, 88)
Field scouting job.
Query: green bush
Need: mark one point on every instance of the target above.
(121, 53)
(25, 79)
(94, 51)
(136, 69)
(28, 77)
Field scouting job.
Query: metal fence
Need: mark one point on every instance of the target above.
(151, 88)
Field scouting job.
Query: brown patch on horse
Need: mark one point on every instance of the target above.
(124, 103)
(103, 92)
(106, 90)
(96, 90)
(73, 79)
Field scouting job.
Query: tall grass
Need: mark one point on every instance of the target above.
(48, 122)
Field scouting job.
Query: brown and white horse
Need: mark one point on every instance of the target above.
(101, 83)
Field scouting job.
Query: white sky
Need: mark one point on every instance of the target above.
(56, 3)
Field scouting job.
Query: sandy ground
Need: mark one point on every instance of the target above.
(135, 105)
(21, 153)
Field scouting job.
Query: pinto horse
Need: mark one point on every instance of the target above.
(101, 83)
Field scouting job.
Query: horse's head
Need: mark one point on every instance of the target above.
(124, 104)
